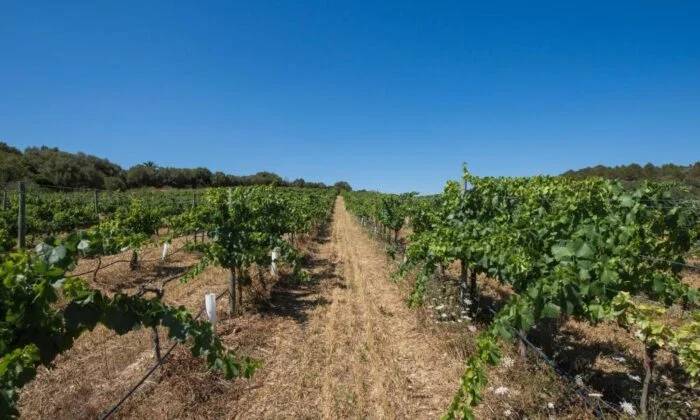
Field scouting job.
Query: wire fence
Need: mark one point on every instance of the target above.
(31, 212)
(665, 202)
(672, 263)
(101, 267)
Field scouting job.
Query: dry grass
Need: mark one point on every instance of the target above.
(341, 346)
(692, 278)
(360, 353)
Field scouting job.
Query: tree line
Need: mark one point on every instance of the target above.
(50, 166)
(632, 175)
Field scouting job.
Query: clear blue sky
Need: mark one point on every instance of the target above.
(386, 95)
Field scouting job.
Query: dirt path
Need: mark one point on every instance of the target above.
(355, 350)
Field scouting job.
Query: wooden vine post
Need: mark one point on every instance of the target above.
(97, 203)
(240, 278)
(463, 274)
(194, 204)
(156, 338)
(649, 355)
(473, 295)
(134, 261)
(232, 291)
(21, 217)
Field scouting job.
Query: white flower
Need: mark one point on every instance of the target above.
(507, 413)
(634, 378)
(471, 328)
(501, 390)
(550, 406)
(508, 362)
(628, 408)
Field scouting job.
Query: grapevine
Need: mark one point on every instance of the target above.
(44, 311)
(567, 248)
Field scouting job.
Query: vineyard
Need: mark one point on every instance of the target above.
(414, 306)
(558, 249)
(48, 304)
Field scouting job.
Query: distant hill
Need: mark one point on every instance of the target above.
(53, 167)
(633, 174)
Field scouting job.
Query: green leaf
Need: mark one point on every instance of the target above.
(659, 285)
(57, 254)
(561, 253)
(585, 252)
(551, 310)
(609, 276)
(597, 311)
(527, 319)
(626, 201)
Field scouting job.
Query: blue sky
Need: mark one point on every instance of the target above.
(386, 95)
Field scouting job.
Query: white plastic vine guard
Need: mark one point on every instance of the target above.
(210, 307)
(275, 256)
(166, 250)
(276, 253)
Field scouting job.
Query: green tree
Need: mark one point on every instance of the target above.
(342, 186)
